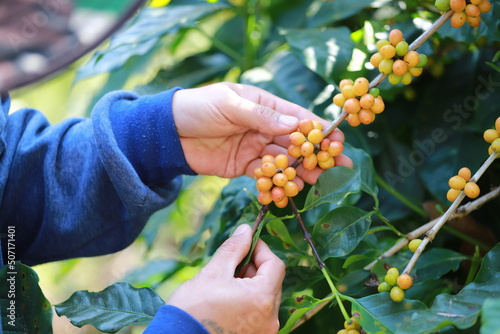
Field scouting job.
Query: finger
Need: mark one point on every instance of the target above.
(249, 272)
(230, 254)
(261, 118)
(344, 160)
(268, 265)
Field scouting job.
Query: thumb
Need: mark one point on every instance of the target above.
(231, 252)
(265, 119)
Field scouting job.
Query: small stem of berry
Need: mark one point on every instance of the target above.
(262, 212)
(307, 235)
(336, 293)
(431, 234)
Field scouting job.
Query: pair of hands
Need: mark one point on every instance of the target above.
(224, 130)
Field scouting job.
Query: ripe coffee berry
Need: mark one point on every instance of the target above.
(405, 281)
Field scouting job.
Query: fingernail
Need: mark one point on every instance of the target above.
(241, 229)
(288, 120)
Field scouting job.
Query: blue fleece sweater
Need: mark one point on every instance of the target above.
(87, 186)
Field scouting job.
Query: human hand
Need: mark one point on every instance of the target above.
(226, 128)
(226, 304)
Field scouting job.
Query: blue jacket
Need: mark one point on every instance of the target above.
(87, 186)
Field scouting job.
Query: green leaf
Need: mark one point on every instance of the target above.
(278, 229)
(255, 239)
(363, 164)
(436, 262)
(296, 307)
(188, 73)
(490, 321)
(327, 12)
(144, 31)
(334, 185)
(284, 76)
(326, 52)
(340, 231)
(460, 310)
(24, 307)
(111, 309)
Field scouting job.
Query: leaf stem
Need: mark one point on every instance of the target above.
(382, 183)
(388, 223)
(336, 293)
(475, 262)
(307, 235)
(262, 212)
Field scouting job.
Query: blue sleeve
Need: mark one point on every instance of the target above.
(172, 320)
(87, 186)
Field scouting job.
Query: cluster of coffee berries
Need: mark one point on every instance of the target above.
(310, 142)
(395, 284)
(414, 244)
(351, 326)
(275, 180)
(461, 182)
(464, 11)
(492, 136)
(360, 102)
(394, 59)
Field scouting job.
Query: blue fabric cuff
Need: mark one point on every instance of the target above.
(145, 131)
(172, 320)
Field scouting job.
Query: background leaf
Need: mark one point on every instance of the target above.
(340, 231)
(334, 185)
(327, 52)
(490, 321)
(24, 306)
(111, 309)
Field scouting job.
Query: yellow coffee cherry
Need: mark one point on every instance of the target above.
(465, 173)
(306, 126)
(395, 36)
(294, 151)
(264, 183)
(310, 162)
(291, 189)
(281, 161)
(345, 82)
(315, 136)
(495, 146)
(361, 86)
(352, 106)
(456, 182)
(471, 189)
(279, 179)
(452, 194)
(339, 100)
(290, 173)
(267, 158)
(353, 120)
(265, 198)
(366, 101)
(490, 135)
(414, 244)
(268, 169)
(307, 149)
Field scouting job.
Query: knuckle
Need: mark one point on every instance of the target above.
(263, 112)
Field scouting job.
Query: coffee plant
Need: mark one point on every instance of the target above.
(404, 242)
